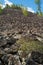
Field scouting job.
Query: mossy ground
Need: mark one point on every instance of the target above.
(30, 45)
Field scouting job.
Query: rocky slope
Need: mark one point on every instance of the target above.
(14, 20)
(13, 26)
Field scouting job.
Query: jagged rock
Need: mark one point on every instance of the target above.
(5, 59)
(14, 60)
(1, 63)
(39, 39)
(30, 62)
(11, 41)
(11, 51)
(37, 57)
(34, 58)
(2, 40)
(2, 53)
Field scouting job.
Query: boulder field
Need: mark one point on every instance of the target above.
(14, 26)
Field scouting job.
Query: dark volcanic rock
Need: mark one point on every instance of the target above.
(37, 57)
(11, 41)
(2, 40)
(30, 62)
(5, 59)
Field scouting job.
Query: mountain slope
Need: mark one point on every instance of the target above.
(14, 20)
(21, 38)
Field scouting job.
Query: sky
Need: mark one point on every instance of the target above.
(31, 6)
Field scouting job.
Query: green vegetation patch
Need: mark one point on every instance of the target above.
(15, 6)
(30, 45)
(1, 10)
(25, 12)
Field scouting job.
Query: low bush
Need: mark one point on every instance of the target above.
(25, 12)
(1, 10)
(7, 6)
(15, 6)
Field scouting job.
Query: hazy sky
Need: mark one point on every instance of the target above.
(28, 3)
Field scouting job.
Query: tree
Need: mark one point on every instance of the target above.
(24, 11)
(7, 6)
(38, 3)
(1, 10)
(15, 6)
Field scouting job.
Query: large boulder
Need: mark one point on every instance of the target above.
(2, 40)
(37, 57)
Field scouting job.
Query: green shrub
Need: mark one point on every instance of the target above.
(7, 6)
(15, 6)
(1, 10)
(25, 12)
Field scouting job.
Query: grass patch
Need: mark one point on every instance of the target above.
(30, 45)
